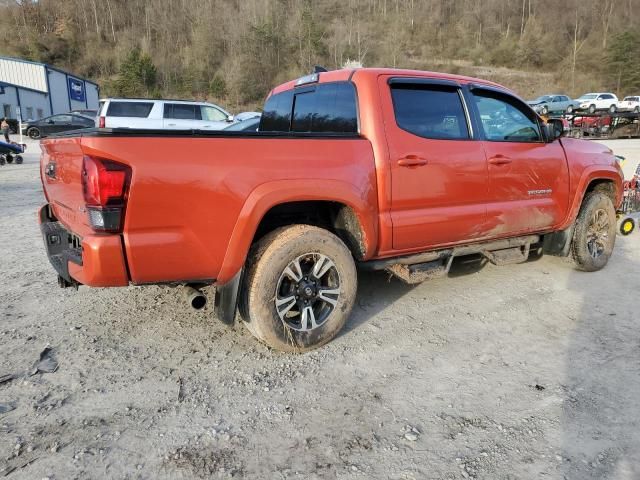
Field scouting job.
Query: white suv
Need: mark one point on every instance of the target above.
(630, 104)
(161, 114)
(598, 101)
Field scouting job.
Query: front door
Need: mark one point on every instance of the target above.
(438, 171)
(528, 178)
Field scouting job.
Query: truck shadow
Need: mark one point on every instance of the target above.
(600, 415)
(377, 290)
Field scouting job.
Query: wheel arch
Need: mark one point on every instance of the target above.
(338, 206)
(606, 181)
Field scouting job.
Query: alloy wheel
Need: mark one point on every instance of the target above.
(598, 233)
(307, 292)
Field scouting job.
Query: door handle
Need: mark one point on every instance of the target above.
(412, 161)
(171, 124)
(500, 160)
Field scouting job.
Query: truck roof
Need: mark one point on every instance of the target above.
(350, 73)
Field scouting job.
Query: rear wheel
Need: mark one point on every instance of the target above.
(595, 232)
(636, 110)
(9, 158)
(627, 226)
(33, 133)
(299, 288)
(612, 109)
(2, 160)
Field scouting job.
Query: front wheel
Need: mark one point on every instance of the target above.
(570, 109)
(33, 133)
(545, 110)
(595, 232)
(299, 288)
(592, 109)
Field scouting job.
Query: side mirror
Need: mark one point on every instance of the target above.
(554, 129)
(230, 118)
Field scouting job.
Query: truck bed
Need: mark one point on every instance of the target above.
(192, 191)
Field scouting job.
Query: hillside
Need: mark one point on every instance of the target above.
(234, 51)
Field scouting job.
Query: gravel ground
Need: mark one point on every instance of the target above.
(524, 371)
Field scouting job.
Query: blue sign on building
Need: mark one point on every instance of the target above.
(76, 89)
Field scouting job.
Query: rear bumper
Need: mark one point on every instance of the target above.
(94, 260)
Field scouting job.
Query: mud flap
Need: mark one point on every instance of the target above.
(226, 300)
(558, 243)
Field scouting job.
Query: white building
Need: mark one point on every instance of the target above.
(37, 90)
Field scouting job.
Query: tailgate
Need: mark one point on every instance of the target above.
(61, 173)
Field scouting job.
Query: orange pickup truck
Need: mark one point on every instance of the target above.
(376, 168)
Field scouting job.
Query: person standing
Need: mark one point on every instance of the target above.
(4, 126)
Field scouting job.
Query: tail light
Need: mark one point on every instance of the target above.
(106, 186)
(102, 122)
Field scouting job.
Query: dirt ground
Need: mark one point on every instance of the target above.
(524, 371)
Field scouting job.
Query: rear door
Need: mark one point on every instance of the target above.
(78, 122)
(560, 103)
(438, 170)
(57, 123)
(528, 178)
(181, 116)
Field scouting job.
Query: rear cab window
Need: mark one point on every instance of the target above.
(129, 109)
(329, 108)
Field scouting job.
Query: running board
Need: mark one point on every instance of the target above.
(413, 269)
(508, 256)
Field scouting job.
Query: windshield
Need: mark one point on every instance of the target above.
(588, 96)
(543, 98)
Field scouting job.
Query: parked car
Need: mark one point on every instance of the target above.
(553, 104)
(86, 112)
(385, 169)
(56, 124)
(246, 115)
(162, 114)
(248, 125)
(629, 104)
(598, 101)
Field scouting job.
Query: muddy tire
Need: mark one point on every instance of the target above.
(299, 287)
(595, 232)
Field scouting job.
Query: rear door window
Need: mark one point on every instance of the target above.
(182, 111)
(129, 109)
(430, 111)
